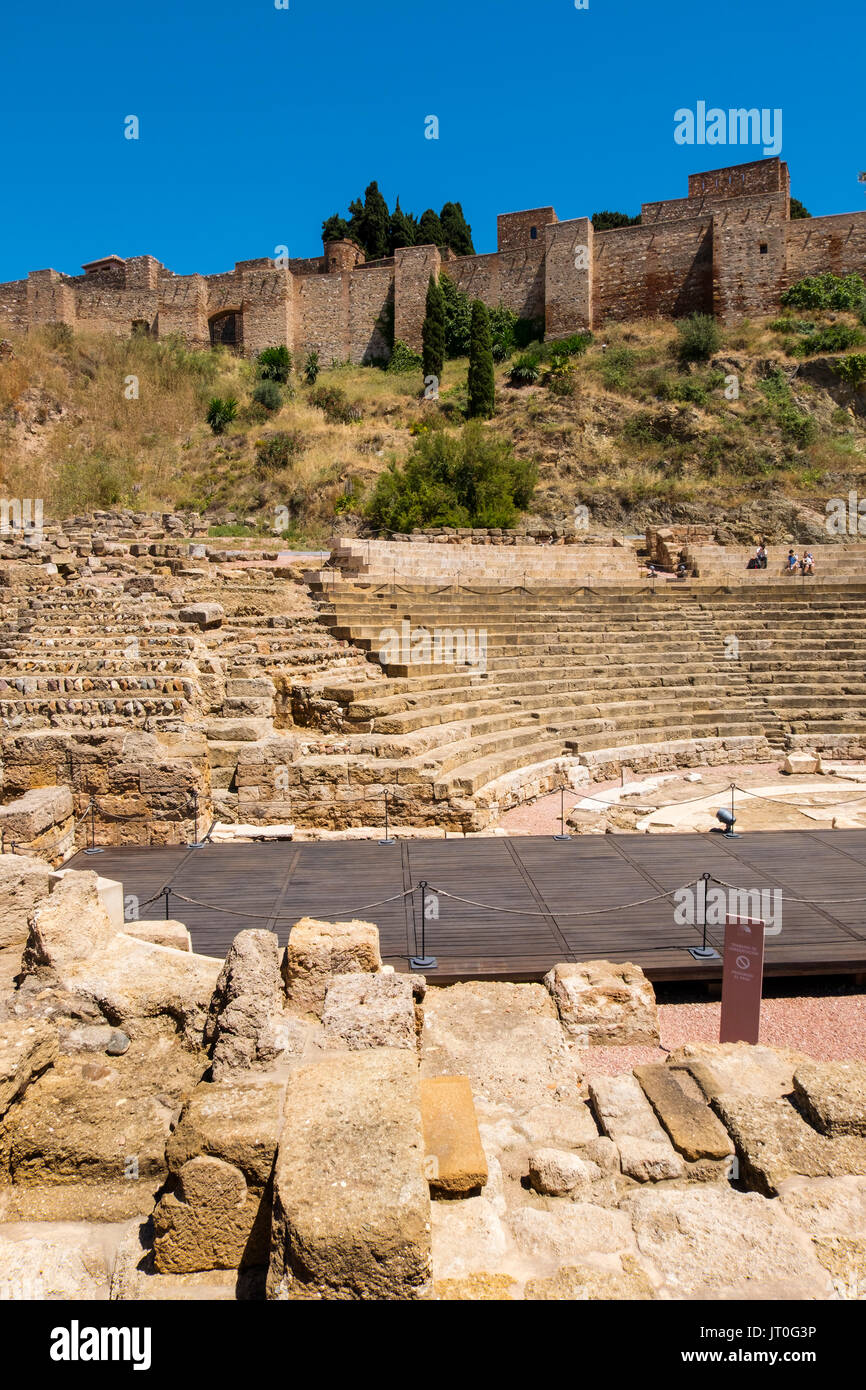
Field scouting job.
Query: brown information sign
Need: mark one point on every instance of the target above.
(742, 980)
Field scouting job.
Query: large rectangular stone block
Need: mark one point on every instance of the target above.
(351, 1215)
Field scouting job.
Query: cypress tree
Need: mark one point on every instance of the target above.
(433, 332)
(481, 381)
(375, 223)
(401, 231)
(430, 230)
(456, 230)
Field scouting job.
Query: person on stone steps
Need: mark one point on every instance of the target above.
(807, 564)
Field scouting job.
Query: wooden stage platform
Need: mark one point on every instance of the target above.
(543, 884)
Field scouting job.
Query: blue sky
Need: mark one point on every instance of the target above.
(257, 123)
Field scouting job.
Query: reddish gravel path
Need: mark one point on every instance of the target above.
(829, 1027)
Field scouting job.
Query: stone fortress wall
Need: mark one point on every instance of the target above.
(728, 248)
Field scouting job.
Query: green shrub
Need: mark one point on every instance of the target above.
(794, 423)
(560, 379)
(526, 370)
(528, 331)
(268, 394)
(274, 364)
(311, 368)
(698, 337)
(503, 323)
(836, 337)
(617, 367)
(852, 370)
(403, 359)
(826, 291)
(278, 451)
(786, 324)
(458, 317)
(221, 413)
(573, 346)
(470, 479)
(337, 409)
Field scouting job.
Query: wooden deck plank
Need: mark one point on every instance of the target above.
(561, 900)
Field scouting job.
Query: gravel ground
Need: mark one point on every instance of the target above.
(828, 1026)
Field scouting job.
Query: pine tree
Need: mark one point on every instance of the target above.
(374, 223)
(433, 332)
(481, 381)
(335, 229)
(355, 225)
(401, 231)
(456, 230)
(430, 230)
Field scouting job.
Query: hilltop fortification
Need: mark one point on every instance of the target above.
(729, 248)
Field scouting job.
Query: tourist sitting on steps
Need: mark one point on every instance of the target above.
(807, 564)
(792, 562)
(761, 556)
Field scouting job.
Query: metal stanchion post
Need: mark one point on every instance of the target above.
(423, 962)
(166, 892)
(196, 842)
(704, 952)
(92, 849)
(388, 840)
(562, 835)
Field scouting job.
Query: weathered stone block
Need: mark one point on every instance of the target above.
(24, 881)
(317, 950)
(693, 1128)
(455, 1161)
(238, 1121)
(601, 1004)
(211, 1220)
(364, 1010)
(351, 1203)
(832, 1096)
(26, 1049)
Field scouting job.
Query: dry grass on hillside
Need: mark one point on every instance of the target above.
(636, 436)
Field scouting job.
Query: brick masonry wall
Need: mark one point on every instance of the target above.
(322, 317)
(568, 289)
(749, 257)
(697, 253)
(183, 309)
(642, 271)
(13, 307)
(412, 271)
(814, 244)
(369, 291)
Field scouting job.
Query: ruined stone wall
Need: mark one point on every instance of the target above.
(183, 309)
(50, 298)
(13, 307)
(699, 253)
(369, 292)
(664, 269)
(322, 318)
(414, 266)
(815, 244)
(749, 250)
(568, 277)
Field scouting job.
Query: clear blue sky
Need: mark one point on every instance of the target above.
(257, 123)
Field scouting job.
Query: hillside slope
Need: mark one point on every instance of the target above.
(89, 422)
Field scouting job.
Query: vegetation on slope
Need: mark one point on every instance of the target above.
(646, 421)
